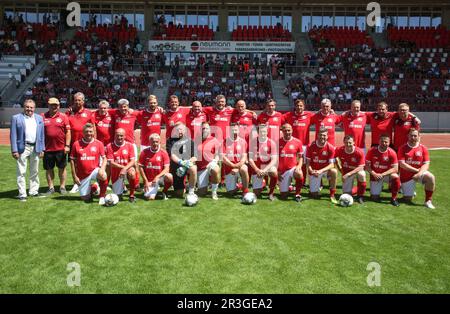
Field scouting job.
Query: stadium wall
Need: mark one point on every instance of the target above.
(431, 121)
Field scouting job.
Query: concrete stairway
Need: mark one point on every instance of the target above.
(277, 90)
(20, 92)
(161, 92)
(380, 40)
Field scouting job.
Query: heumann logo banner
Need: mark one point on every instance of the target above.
(221, 46)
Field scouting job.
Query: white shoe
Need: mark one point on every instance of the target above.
(101, 201)
(74, 189)
(214, 196)
(429, 205)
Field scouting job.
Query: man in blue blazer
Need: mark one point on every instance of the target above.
(27, 144)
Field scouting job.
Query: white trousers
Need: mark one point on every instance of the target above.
(28, 155)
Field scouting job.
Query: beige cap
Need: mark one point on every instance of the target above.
(53, 100)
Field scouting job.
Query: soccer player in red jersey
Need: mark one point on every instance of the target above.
(327, 119)
(320, 162)
(174, 115)
(354, 124)
(382, 165)
(194, 119)
(219, 118)
(350, 162)
(208, 154)
(121, 160)
(103, 123)
(244, 118)
(414, 162)
(85, 158)
(78, 118)
(57, 144)
(234, 159)
(154, 164)
(150, 120)
(403, 124)
(290, 163)
(263, 161)
(300, 120)
(273, 119)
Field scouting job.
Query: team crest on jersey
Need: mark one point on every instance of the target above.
(385, 158)
(330, 120)
(266, 149)
(158, 158)
(93, 149)
(407, 123)
(324, 153)
(418, 154)
(100, 123)
(179, 115)
(125, 152)
(291, 146)
(84, 115)
(275, 119)
(353, 159)
(360, 119)
(238, 147)
(157, 116)
(58, 120)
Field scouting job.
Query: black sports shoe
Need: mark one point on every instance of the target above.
(132, 199)
(361, 200)
(394, 202)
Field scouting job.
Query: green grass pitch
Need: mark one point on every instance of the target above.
(223, 246)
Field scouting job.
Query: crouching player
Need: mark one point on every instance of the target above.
(414, 162)
(85, 157)
(207, 163)
(121, 160)
(350, 162)
(234, 161)
(154, 165)
(290, 163)
(382, 164)
(320, 163)
(263, 161)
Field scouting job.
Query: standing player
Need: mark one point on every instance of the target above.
(57, 145)
(382, 165)
(174, 115)
(273, 119)
(194, 119)
(207, 157)
(244, 118)
(85, 158)
(154, 164)
(354, 124)
(121, 160)
(320, 162)
(103, 123)
(263, 161)
(290, 163)
(150, 120)
(327, 119)
(403, 124)
(234, 161)
(219, 118)
(78, 116)
(350, 162)
(414, 162)
(182, 161)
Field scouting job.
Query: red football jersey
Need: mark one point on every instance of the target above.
(300, 125)
(219, 119)
(246, 122)
(320, 157)
(289, 153)
(121, 155)
(355, 126)
(380, 126)
(86, 156)
(350, 161)
(153, 162)
(401, 130)
(125, 122)
(381, 161)
(234, 151)
(206, 151)
(77, 121)
(262, 152)
(415, 157)
(150, 123)
(55, 131)
(104, 128)
(172, 117)
(274, 122)
(329, 122)
(194, 123)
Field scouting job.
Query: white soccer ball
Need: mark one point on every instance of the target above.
(191, 200)
(111, 199)
(346, 200)
(249, 198)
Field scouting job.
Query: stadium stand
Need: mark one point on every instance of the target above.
(183, 32)
(261, 33)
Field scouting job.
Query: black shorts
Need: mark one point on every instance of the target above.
(54, 158)
(178, 183)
